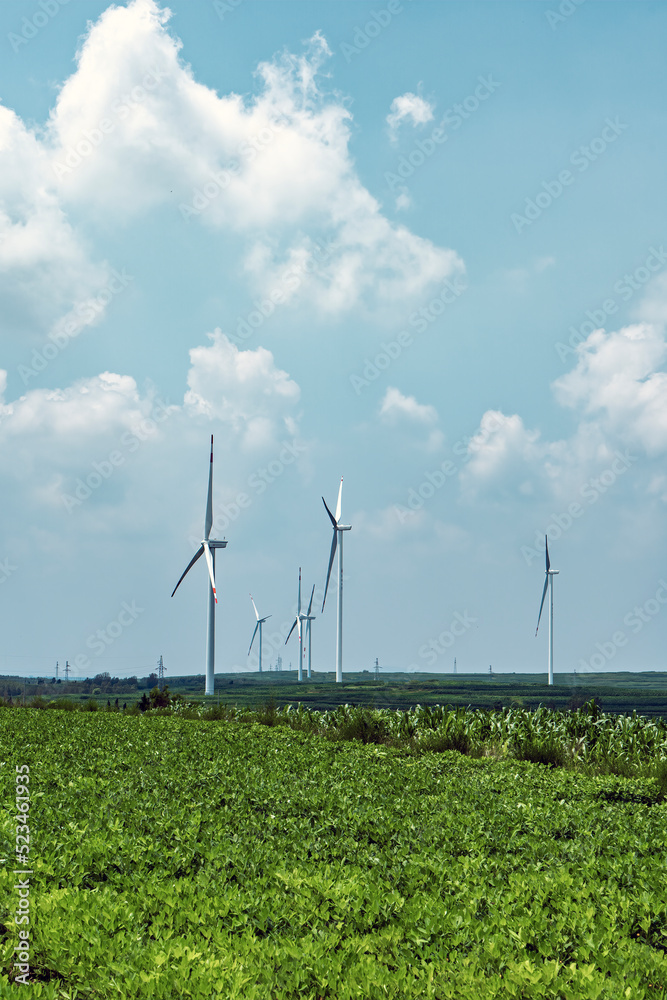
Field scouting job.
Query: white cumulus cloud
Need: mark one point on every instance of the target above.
(411, 108)
(618, 392)
(133, 129)
(397, 409)
(46, 272)
(52, 437)
(617, 382)
(243, 389)
(395, 406)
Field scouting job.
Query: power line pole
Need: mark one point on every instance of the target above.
(455, 666)
(66, 670)
(377, 669)
(160, 673)
(56, 670)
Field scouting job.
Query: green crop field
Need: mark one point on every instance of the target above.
(620, 692)
(343, 856)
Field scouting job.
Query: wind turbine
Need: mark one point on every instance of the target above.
(549, 582)
(338, 529)
(260, 622)
(207, 548)
(297, 625)
(310, 618)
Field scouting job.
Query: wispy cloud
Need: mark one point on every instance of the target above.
(408, 108)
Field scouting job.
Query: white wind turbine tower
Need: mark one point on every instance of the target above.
(300, 617)
(260, 622)
(308, 619)
(549, 582)
(208, 547)
(338, 529)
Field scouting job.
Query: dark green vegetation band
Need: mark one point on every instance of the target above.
(178, 857)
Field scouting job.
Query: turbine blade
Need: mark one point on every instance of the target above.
(266, 618)
(208, 522)
(253, 638)
(331, 559)
(291, 630)
(544, 594)
(209, 563)
(546, 550)
(333, 519)
(298, 607)
(340, 495)
(255, 607)
(310, 602)
(189, 567)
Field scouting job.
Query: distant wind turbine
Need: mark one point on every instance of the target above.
(338, 529)
(260, 622)
(310, 618)
(207, 548)
(549, 582)
(300, 617)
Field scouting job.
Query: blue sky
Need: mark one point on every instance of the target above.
(419, 245)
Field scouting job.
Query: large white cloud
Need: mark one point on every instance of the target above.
(619, 395)
(132, 128)
(46, 274)
(52, 439)
(73, 456)
(243, 389)
(505, 459)
(616, 382)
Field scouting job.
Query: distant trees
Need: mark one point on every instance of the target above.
(157, 699)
